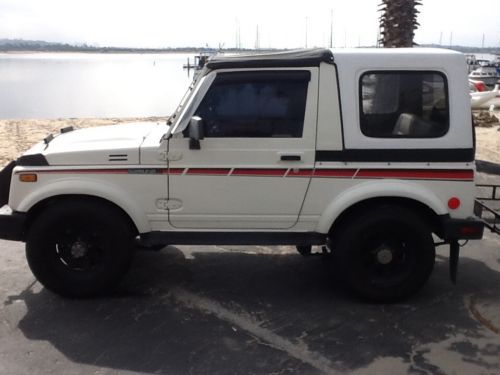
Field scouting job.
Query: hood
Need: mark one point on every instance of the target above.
(114, 144)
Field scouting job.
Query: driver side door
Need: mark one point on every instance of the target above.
(254, 165)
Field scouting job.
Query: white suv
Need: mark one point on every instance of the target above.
(365, 152)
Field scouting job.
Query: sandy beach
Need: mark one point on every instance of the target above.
(17, 136)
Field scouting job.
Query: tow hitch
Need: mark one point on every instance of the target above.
(454, 253)
(486, 211)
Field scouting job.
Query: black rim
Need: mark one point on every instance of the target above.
(388, 256)
(79, 250)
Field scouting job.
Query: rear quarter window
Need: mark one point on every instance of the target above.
(404, 104)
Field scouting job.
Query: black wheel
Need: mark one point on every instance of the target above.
(79, 249)
(386, 254)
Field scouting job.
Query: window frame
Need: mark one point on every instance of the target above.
(394, 71)
(297, 75)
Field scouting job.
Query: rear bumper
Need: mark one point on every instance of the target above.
(12, 224)
(462, 229)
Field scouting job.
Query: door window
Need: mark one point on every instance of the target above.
(255, 105)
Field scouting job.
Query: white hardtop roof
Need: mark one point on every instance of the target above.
(394, 51)
(316, 56)
(398, 58)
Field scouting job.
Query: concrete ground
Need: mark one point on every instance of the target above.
(250, 310)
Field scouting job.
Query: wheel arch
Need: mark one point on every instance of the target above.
(368, 195)
(421, 209)
(39, 207)
(85, 188)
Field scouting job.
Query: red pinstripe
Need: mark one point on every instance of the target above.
(412, 174)
(259, 172)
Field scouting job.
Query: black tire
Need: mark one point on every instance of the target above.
(80, 248)
(385, 254)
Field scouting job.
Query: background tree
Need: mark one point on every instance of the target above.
(398, 22)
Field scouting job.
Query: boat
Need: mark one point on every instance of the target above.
(484, 99)
(477, 85)
(471, 62)
(199, 61)
(486, 73)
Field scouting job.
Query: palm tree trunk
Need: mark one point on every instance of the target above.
(398, 22)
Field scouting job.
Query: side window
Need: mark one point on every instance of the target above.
(255, 104)
(407, 104)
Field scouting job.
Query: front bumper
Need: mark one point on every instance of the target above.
(12, 224)
(5, 177)
(462, 229)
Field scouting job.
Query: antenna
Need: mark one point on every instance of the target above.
(482, 44)
(441, 39)
(306, 32)
(239, 35)
(331, 28)
(236, 34)
(257, 42)
(451, 39)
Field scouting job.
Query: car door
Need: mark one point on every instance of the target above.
(254, 165)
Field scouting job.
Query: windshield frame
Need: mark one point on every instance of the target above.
(190, 102)
(187, 94)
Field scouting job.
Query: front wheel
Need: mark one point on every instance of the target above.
(386, 254)
(79, 248)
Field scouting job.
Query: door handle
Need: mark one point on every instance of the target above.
(290, 158)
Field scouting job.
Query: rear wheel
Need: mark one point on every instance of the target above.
(79, 248)
(386, 254)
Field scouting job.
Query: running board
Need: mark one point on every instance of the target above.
(232, 238)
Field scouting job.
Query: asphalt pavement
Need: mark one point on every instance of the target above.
(251, 310)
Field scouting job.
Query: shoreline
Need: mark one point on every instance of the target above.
(100, 52)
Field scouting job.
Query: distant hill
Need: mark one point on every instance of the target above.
(21, 45)
(34, 45)
(4, 42)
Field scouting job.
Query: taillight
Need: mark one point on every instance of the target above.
(470, 230)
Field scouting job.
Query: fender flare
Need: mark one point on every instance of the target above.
(378, 189)
(87, 187)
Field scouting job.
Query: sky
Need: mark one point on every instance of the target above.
(280, 23)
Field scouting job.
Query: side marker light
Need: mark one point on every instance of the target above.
(454, 203)
(28, 177)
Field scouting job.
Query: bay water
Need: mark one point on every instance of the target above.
(67, 85)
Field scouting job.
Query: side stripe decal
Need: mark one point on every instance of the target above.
(406, 174)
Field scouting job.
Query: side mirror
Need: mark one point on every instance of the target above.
(196, 132)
